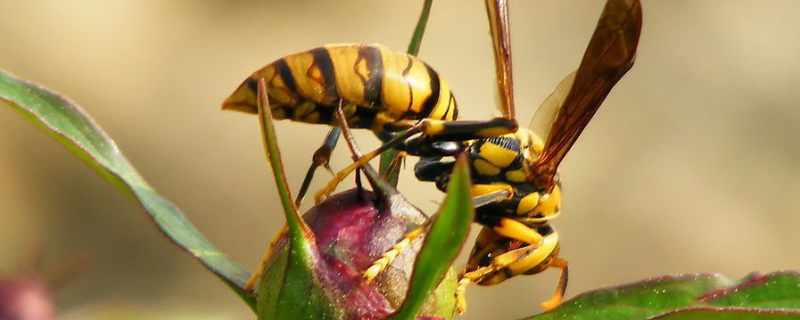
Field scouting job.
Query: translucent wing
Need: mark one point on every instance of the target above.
(608, 57)
(544, 117)
(501, 38)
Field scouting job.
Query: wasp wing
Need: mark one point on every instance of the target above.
(544, 117)
(497, 10)
(608, 57)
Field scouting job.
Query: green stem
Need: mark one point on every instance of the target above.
(413, 49)
(419, 31)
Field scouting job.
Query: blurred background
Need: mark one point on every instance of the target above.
(691, 165)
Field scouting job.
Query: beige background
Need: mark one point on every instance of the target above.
(692, 164)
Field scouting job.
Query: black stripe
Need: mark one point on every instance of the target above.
(286, 75)
(322, 60)
(325, 114)
(506, 143)
(433, 99)
(365, 116)
(374, 83)
(452, 104)
(405, 79)
(252, 84)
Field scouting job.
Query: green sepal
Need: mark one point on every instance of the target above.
(288, 288)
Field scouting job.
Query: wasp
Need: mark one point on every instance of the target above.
(362, 86)
(515, 176)
(375, 87)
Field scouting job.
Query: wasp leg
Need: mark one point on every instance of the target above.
(562, 284)
(498, 263)
(359, 162)
(462, 130)
(433, 129)
(386, 259)
(322, 157)
(379, 265)
(348, 137)
(511, 228)
(494, 196)
(399, 159)
(251, 283)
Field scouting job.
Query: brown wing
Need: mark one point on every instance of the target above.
(498, 23)
(608, 57)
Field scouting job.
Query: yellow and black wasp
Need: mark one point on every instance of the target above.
(514, 176)
(364, 86)
(514, 171)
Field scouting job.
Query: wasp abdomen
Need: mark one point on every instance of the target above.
(377, 85)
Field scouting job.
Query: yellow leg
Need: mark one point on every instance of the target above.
(469, 277)
(323, 193)
(562, 284)
(498, 263)
(514, 229)
(358, 159)
(466, 130)
(251, 283)
(399, 159)
(379, 265)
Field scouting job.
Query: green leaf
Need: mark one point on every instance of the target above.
(419, 30)
(443, 242)
(299, 234)
(694, 296)
(71, 126)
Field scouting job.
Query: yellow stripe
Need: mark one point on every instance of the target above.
(403, 93)
(440, 110)
(516, 230)
(349, 73)
(307, 78)
(497, 155)
(548, 245)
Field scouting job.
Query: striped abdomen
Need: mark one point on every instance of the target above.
(378, 87)
(489, 245)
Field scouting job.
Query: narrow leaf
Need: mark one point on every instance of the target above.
(419, 30)
(66, 122)
(693, 296)
(299, 232)
(443, 242)
(288, 287)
